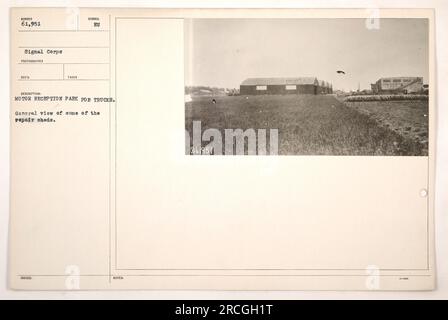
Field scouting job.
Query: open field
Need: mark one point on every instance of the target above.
(407, 118)
(307, 124)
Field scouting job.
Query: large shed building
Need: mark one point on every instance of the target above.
(393, 85)
(301, 85)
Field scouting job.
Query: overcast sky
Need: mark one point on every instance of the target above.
(224, 52)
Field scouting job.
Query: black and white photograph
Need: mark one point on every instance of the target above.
(345, 86)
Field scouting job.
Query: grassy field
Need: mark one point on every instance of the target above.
(407, 118)
(307, 124)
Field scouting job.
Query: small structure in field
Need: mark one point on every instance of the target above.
(300, 85)
(398, 85)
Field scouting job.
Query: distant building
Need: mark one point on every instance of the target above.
(328, 88)
(301, 85)
(325, 87)
(322, 87)
(393, 85)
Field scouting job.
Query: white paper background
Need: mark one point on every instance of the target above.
(441, 216)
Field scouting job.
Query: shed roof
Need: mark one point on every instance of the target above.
(404, 78)
(279, 81)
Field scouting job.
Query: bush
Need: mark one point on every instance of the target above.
(387, 97)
